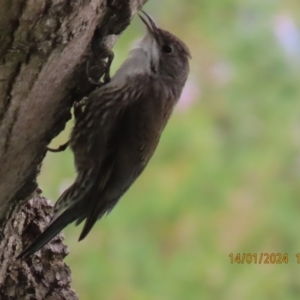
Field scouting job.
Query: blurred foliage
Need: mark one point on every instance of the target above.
(226, 176)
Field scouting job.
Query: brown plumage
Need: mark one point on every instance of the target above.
(118, 131)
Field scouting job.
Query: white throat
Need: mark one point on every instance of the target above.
(142, 59)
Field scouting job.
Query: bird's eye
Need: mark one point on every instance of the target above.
(167, 49)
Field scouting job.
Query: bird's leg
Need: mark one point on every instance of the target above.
(90, 79)
(61, 148)
(78, 107)
(110, 56)
(78, 110)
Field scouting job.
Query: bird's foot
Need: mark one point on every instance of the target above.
(110, 56)
(61, 148)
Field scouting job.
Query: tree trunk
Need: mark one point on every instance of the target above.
(44, 48)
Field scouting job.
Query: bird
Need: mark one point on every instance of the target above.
(117, 132)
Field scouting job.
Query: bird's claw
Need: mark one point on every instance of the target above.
(106, 78)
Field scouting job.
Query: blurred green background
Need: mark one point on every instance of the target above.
(225, 177)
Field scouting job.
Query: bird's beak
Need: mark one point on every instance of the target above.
(150, 24)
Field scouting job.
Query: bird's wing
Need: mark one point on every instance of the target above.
(93, 128)
(99, 204)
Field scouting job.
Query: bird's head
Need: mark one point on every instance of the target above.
(166, 54)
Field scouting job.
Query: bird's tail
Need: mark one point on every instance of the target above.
(67, 209)
(51, 231)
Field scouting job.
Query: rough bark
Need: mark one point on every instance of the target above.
(42, 276)
(44, 48)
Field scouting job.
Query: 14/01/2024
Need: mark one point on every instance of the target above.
(261, 258)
